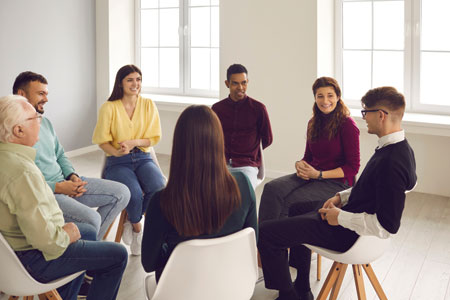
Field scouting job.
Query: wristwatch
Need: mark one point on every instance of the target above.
(320, 176)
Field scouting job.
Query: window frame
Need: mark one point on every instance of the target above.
(184, 47)
(411, 56)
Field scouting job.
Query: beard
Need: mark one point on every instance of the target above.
(36, 107)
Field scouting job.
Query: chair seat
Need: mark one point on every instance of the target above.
(365, 250)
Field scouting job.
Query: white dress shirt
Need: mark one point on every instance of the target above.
(364, 223)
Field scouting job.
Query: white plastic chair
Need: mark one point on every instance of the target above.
(261, 171)
(203, 269)
(365, 250)
(15, 280)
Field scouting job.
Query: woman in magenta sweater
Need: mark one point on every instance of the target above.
(330, 162)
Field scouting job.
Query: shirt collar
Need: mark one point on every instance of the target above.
(391, 138)
(27, 151)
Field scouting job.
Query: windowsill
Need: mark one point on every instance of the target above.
(178, 103)
(428, 124)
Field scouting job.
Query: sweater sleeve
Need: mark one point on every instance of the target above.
(102, 132)
(61, 158)
(265, 130)
(350, 142)
(153, 240)
(153, 132)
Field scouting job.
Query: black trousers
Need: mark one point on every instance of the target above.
(276, 236)
(281, 193)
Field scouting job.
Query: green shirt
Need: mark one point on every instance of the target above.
(30, 217)
(50, 157)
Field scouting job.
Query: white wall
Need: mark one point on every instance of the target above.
(56, 39)
(285, 47)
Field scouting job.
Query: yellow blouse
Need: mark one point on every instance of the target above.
(114, 125)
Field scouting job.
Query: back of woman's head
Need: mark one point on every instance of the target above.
(117, 92)
(200, 193)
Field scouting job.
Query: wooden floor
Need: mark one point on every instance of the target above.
(417, 265)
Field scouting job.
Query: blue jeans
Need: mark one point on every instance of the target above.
(106, 261)
(110, 197)
(140, 174)
(250, 172)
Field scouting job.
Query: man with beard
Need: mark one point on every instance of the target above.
(75, 195)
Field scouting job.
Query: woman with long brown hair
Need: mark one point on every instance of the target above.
(128, 126)
(202, 198)
(330, 162)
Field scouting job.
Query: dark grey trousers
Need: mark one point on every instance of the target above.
(281, 193)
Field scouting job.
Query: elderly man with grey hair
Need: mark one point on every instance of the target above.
(32, 222)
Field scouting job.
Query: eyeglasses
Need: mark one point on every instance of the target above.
(365, 111)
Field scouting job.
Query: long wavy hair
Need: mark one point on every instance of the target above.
(201, 193)
(337, 116)
(117, 92)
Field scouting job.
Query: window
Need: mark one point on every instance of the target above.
(395, 42)
(178, 46)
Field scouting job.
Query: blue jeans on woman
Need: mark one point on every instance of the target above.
(140, 174)
(106, 261)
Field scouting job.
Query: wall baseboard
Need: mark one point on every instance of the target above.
(82, 151)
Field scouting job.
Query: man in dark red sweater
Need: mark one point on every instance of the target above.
(245, 123)
(373, 206)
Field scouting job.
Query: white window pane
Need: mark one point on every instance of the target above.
(200, 27)
(215, 76)
(149, 67)
(357, 25)
(356, 74)
(169, 3)
(149, 28)
(214, 27)
(214, 2)
(169, 23)
(200, 68)
(149, 3)
(169, 71)
(388, 25)
(433, 77)
(435, 25)
(388, 69)
(198, 2)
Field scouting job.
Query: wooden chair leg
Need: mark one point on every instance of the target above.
(330, 281)
(123, 218)
(359, 282)
(375, 283)
(319, 266)
(53, 295)
(42, 297)
(338, 283)
(28, 297)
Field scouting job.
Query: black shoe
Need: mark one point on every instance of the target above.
(84, 289)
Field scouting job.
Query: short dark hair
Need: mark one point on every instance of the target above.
(386, 96)
(117, 92)
(24, 78)
(235, 69)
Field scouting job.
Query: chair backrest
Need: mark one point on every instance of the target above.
(261, 171)
(221, 268)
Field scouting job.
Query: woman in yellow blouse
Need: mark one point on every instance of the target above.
(128, 125)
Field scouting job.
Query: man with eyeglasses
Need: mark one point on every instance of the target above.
(373, 206)
(32, 222)
(75, 195)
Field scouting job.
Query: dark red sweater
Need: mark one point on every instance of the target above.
(245, 125)
(341, 151)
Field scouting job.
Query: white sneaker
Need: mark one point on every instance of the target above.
(127, 233)
(136, 243)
